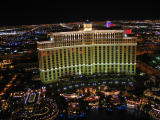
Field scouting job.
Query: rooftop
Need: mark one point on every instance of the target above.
(81, 32)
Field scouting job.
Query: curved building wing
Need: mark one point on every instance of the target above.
(86, 52)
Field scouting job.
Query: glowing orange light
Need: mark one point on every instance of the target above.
(44, 54)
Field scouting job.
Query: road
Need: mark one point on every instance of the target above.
(147, 49)
(148, 69)
(7, 86)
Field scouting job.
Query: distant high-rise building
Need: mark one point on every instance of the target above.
(86, 52)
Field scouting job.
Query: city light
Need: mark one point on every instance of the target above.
(79, 70)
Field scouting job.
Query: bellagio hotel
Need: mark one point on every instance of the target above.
(86, 52)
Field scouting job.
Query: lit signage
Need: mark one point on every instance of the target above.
(129, 31)
(109, 24)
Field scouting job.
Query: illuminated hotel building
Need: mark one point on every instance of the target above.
(86, 52)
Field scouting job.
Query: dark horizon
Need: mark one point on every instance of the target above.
(54, 20)
(75, 12)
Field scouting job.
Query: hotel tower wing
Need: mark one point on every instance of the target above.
(86, 52)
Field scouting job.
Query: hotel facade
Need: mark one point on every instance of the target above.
(86, 52)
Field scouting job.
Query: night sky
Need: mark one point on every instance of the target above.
(55, 12)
